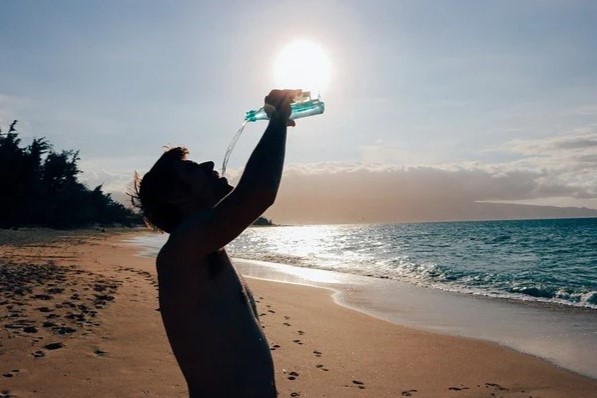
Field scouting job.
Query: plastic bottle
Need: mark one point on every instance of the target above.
(302, 106)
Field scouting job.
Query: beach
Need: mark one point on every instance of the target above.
(80, 317)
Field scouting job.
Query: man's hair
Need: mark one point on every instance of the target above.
(152, 192)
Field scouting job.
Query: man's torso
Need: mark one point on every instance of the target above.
(213, 330)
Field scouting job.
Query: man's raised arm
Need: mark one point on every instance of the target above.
(210, 230)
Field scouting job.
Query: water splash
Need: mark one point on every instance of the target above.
(231, 147)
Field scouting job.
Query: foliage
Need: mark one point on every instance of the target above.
(262, 221)
(40, 188)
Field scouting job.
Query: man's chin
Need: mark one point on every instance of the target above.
(225, 187)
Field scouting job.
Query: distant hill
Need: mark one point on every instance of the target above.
(414, 209)
(512, 211)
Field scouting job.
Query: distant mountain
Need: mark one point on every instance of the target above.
(415, 209)
(509, 211)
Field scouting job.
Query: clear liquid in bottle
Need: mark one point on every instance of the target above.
(302, 106)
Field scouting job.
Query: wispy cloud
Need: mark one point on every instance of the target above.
(565, 160)
(558, 145)
(584, 110)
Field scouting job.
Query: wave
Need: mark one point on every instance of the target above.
(537, 260)
(438, 277)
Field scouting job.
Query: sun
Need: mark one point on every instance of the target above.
(302, 64)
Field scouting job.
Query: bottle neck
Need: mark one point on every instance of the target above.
(256, 114)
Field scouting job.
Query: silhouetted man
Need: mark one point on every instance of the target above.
(208, 311)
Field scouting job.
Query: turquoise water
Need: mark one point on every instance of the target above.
(531, 260)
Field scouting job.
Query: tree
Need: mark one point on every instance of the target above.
(40, 187)
(262, 221)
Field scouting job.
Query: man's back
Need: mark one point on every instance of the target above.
(213, 330)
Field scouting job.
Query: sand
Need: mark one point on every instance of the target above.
(79, 317)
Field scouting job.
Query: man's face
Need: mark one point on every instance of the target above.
(205, 186)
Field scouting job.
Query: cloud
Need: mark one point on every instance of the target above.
(558, 169)
(567, 160)
(584, 110)
(554, 170)
(581, 142)
(377, 193)
(392, 155)
(115, 182)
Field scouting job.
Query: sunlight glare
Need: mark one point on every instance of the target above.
(302, 64)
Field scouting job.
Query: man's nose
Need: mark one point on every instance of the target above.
(209, 166)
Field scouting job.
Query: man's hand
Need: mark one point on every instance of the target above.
(277, 104)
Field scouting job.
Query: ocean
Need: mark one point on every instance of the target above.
(530, 285)
(530, 260)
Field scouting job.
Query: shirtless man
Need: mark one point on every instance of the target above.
(207, 310)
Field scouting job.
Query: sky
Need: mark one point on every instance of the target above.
(432, 106)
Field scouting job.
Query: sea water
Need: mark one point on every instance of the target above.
(538, 260)
(552, 261)
(530, 285)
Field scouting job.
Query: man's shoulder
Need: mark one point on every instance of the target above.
(192, 231)
(174, 254)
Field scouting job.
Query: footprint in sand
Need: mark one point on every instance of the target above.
(53, 346)
(99, 353)
(356, 383)
(317, 353)
(62, 330)
(292, 375)
(408, 393)
(38, 354)
(462, 387)
(12, 373)
(320, 366)
(297, 342)
(496, 386)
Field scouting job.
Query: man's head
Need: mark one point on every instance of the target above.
(176, 187)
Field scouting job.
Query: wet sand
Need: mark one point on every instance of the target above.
(79, 317)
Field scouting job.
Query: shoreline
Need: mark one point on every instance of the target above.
(564, 338)
(562, 334)
(150, 245)
(320, 348)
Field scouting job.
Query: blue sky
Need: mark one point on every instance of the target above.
(503, 90)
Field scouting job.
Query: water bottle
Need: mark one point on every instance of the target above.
(302, 106)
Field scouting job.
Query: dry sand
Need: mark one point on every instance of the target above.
(79, 318)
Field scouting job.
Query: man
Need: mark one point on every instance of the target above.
(208, 312)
